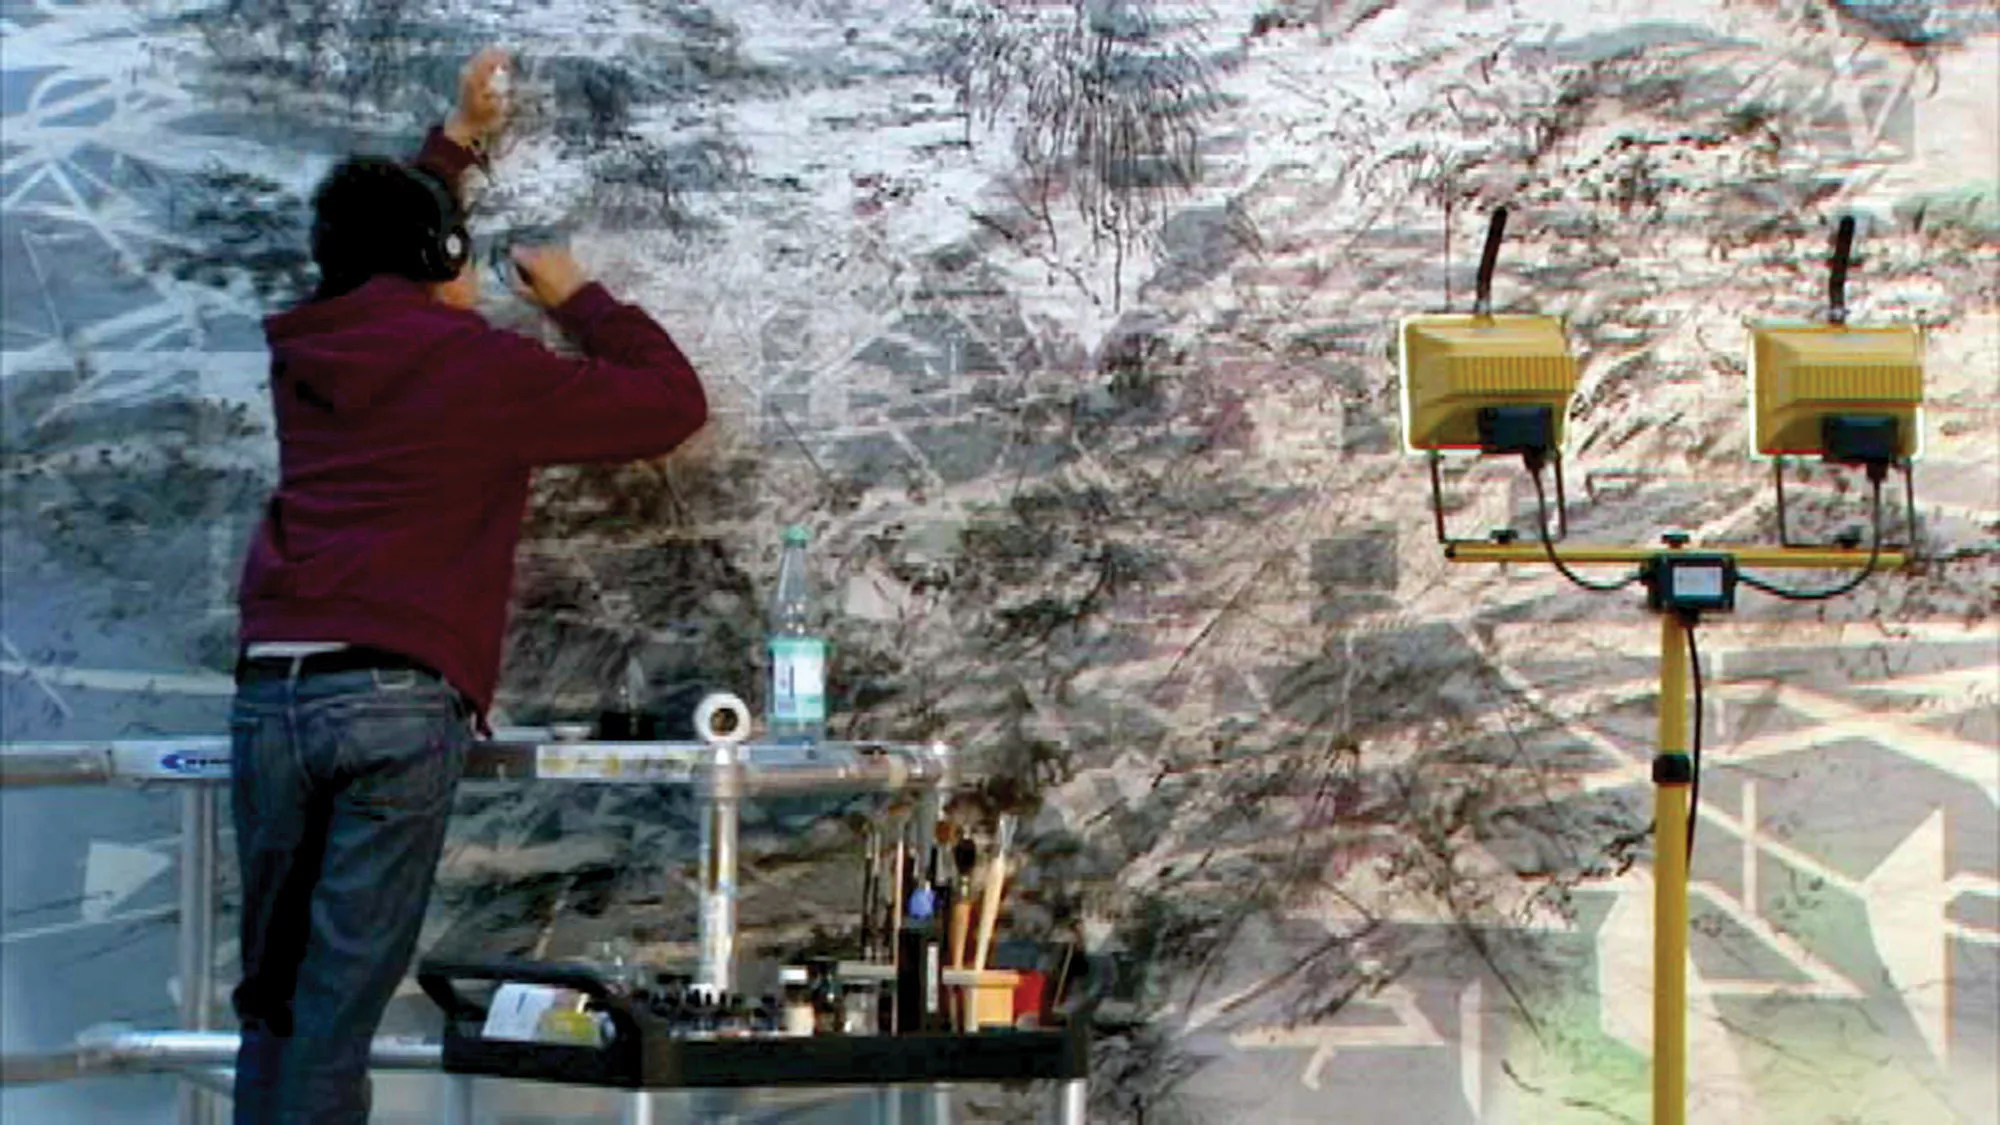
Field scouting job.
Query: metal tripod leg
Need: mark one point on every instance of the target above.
(458, 1100)
(1073, 1101)
(721, 795)
(638, 1109)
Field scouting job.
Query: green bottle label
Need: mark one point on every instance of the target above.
(798, 680)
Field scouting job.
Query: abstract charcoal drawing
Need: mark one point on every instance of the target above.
(1069, 329)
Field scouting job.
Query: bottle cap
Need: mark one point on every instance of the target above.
(797, 535)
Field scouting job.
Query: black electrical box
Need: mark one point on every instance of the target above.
(1859, 439)
(1691, 581)
(1516, 429)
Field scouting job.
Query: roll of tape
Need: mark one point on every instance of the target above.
(722, 717)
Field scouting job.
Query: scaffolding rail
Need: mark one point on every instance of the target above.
(721, 775)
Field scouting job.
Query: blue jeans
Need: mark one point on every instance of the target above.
(342, 786)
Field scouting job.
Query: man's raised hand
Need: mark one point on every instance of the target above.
(484, 87)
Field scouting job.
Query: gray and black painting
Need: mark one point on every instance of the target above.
(1069, 328)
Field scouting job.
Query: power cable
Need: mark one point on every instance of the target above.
(1694, 743)
(1875, 475)
(1549, 545)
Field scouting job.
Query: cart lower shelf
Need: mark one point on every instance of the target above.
(821, 1060)
(645, 1054)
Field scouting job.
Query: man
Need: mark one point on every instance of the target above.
(375, 594)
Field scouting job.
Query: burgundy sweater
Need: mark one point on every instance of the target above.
(407, 431)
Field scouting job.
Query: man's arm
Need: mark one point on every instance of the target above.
(635, 396)
(447, 159)
(460, 141)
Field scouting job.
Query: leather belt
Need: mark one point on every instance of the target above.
(354, 658)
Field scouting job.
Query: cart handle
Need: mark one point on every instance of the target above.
(436, 976)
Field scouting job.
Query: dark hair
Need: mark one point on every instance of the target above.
(373, 215)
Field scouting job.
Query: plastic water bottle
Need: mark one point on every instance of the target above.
(795, 706)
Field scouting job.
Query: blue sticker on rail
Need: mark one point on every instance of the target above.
(195, 763)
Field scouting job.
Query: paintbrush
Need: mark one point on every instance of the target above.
(996, 878)
(871, 889)
(896, 890)
(965, 857)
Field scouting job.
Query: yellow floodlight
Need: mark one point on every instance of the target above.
(1807, 379)
(1847, 395)
(1455, 366)
(1486, 384)
(1483, 383)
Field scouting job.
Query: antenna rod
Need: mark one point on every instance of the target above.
(1482, 304)
(1836, 282)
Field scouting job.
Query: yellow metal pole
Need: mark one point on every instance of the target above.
(1672, 771)
(1600, 554)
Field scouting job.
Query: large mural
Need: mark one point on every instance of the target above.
(1068, 327)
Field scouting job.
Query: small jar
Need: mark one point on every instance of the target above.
(797, 1017)
(858, 1004)
(732, 1017)
(828, 1017)
(706, 1016)
(617, 963)
(607, 1029)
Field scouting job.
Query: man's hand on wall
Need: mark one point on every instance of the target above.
(548, 275)
(483, 97)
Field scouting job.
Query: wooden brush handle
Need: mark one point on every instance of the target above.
(896, 897)
(961, 929)
(989, 910)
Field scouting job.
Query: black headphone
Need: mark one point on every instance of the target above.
(446, 244)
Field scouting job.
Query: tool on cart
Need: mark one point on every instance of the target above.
(894, 936)
(996, 879)
(964, 856)
(796, 980)
(871, 890)
(622, 720)
(919, 967)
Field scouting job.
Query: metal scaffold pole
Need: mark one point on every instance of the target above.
(199, 806)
